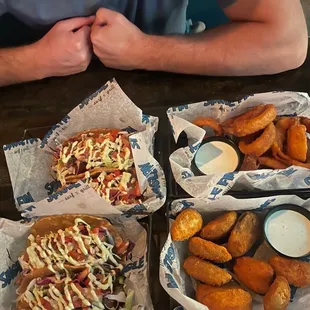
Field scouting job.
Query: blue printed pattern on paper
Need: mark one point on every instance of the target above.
(8, 147)
(26, 198)
(307, 181)
(168, 263)
(186, 175)
(222, 102)
(151, 173)
(134, 144)
(180, 108)
(194, 147)
(134, 266)
(223, 182)
(245, 98)
(52, 187)
(137, 209)
(267, 203)
(6, 277)
(129, 129)
(53, 129)
(263, 176)
(55, 196)
(85, 102)
(145, 119)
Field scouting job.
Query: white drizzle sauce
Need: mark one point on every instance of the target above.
(99, 154)
(33, 294)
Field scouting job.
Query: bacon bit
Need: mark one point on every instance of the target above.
(68, 239)
(109, 177)
(113, 193)
(46, 305)
(77, 303)
(82, 275)
(117, 173)
(86, 281)
(95, 230)
(76, 256)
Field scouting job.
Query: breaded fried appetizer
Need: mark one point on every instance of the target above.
(202, 290)
(218, 298)
(278, 296)
(219, 227)
(296, 272)
(255, 274)
(187, 224)
(209, 250)
(206, 272)
(245, 233)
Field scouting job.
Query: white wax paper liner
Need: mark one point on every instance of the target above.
(179, 285)
(80, 200)
(215, 185)
(29, 161)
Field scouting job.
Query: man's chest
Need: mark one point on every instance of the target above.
(46, 12)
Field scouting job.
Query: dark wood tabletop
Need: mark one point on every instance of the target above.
(45, 102)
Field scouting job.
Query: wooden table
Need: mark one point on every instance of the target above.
(43, 103)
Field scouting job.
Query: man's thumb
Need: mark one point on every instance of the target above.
(77, 22)
(105, 17)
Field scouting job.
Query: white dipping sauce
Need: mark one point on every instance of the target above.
(216, 157)
(289, 233)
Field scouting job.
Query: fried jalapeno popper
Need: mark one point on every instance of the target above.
(209, 250)
(220, 227)
(278, 295)
(102, 157)
(187, 224)
(206, 272)
(217, 298)
(72, 261)
(245, 233)
(255, 274)
(295, 271)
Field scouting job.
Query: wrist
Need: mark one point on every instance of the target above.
(40, 63)
(145, 53)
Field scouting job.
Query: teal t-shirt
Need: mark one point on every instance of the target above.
(151, 16)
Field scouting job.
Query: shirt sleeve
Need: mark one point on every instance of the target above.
(3, 8)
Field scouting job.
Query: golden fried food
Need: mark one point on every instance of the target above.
(262, 144)
(206, 272)
(306, 122)
(219, 227)
(271, 163)
(278, 295)
(186, 225)
(297, 144)
(245, 233)
(290, 161)
(249, 163)
(255, 274)
(218, 298)
(202, 290)
(296, 272)
(256, 119)
(209, 122)
(209, 250)
(282, 125)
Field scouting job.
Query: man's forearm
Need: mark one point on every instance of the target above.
(241, 48)
(19, 65)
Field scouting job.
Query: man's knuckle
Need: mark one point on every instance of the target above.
(118, 17)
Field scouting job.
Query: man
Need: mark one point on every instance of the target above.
(262, 37)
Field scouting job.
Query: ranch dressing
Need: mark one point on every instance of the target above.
(289, 233)
(216, 157)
